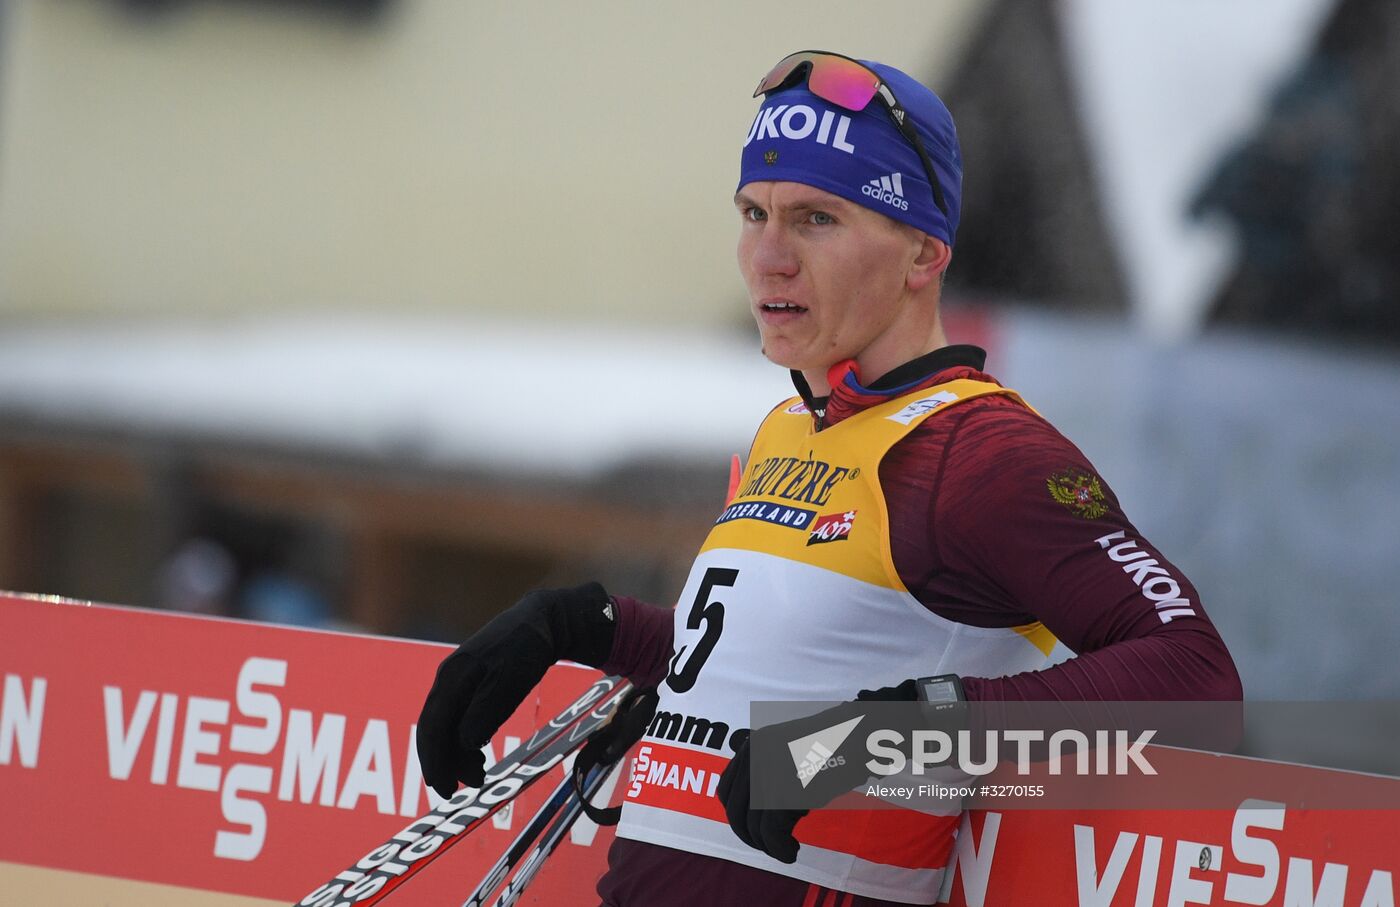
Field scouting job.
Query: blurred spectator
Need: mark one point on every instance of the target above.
(198, 578)
(279, 597)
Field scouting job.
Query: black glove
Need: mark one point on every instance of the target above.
(907, 691)
(481, 684)
(768, 830)
(771, 830)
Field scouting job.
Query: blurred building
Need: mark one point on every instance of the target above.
(412, 304)
(1033, 227)
(380, 313)
(1314, 192)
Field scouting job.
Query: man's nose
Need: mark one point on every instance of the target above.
(774, 253)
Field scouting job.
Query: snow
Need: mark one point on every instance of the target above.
(571, 400)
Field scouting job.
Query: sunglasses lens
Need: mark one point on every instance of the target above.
(843, 82)
(781, 72)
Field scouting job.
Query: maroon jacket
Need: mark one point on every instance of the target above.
(996, 520)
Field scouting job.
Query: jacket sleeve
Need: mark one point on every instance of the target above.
(1023, 511)
(642, 642)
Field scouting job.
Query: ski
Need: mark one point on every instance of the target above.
(383, 869)
(568, 808)
(561, 804)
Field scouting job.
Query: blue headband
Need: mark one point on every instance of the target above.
(861, 156)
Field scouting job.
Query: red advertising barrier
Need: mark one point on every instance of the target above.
(225, 756)
(151, 758)
(1120, 858)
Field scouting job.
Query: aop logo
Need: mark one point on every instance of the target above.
(833, 527)
(798, 122)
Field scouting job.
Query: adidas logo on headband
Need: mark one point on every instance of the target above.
(888, 189)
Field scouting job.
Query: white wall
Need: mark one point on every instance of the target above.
(528, 157)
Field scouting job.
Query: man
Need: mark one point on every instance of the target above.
(905, 516)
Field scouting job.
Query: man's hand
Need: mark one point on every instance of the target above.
(768, 830)
(481, 684)
(819, 780)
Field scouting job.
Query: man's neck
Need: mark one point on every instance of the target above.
(873, 364)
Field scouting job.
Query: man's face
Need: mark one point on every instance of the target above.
(826, 277)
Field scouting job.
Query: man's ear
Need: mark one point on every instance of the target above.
(932, 260)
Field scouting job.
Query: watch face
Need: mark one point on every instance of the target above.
(937, 689)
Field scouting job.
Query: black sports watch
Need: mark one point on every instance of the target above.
(942, 690)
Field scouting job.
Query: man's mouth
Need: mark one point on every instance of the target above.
(778, 308)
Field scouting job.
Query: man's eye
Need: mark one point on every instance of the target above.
(821, 218)
(755, 214)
